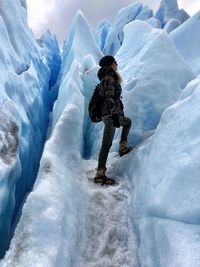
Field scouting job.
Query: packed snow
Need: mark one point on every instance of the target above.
(107, 237)
(150, 218)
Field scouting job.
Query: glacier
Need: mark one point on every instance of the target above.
(50, 210)
(186, 40)
(24, 116)
(169, 10)
(101, 32)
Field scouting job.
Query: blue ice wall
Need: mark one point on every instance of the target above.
(25, 103)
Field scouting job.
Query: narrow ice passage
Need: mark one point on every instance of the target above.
(151, 217)
(107, 235)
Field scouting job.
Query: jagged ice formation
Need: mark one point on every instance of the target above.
(157, 196)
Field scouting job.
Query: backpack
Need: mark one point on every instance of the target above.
(94, 108)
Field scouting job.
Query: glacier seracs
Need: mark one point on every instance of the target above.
(115, 36)
(187, 40)
(80, 31)
(145, 13)
(74, 53)
(167, 13)
(59, 168)
(154, 23)
(171, 25)
(157, 198)
(169, 10)
(150, 84)
(165, 175)
(24, 112)
(101, 33)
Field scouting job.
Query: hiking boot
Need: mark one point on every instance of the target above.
(123, 149)
(101, 178)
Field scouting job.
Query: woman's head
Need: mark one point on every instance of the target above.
(108, 61)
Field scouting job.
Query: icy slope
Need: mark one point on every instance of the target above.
(165, 173)
(24, 95)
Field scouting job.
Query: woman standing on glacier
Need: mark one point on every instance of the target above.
(112, 115)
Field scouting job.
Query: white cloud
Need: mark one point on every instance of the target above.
(38, 14)
(57, 15)
(191, 6)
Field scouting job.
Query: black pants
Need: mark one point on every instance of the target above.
(108, 135)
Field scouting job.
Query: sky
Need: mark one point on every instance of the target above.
(57, 15)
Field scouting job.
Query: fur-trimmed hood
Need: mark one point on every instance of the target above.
(105, 71)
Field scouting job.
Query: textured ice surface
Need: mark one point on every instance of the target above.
(151, 218)
(169, 10)
(101, 33)
(148, 67)
(165, 172)
(171, 25)
(115, 36)
(24, 108)
(187, 40)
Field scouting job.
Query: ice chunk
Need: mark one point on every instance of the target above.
(80, 33)
(187, 40)
(51, 53)
(45, 205)
(75, 56)
(115, 36)
(69, 92)
(169, 243)
(24, 110)
(153, 79)
(145, 13)
(154, 23)
(171, 25)
(169, 10)
(167, 195)
(18, 29)
(48, 231)
(101, 33)
(23, 4)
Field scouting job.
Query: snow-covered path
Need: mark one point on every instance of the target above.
(107, 237)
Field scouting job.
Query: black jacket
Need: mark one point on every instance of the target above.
(110, 92)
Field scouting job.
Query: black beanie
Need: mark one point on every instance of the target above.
(106, 61)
